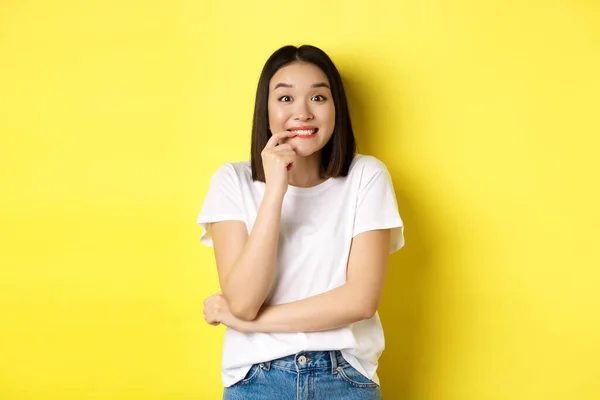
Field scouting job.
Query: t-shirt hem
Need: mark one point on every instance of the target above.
(394, 246)
(202, 221)
(206, 237)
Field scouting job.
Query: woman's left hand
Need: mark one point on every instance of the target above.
(216, 311)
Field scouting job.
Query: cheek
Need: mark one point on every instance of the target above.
(277, 116)
(327, 114)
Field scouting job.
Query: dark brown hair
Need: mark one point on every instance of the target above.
(337, 154)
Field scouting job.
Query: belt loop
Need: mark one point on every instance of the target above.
(333, 356)
(266, 365)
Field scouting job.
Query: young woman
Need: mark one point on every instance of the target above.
(302, 233)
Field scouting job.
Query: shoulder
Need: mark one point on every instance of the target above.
(366, 166)
(236, 171)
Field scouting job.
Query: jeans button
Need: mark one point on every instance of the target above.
(302, 360)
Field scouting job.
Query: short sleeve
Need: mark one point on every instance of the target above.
(377, 207)
(223, 201)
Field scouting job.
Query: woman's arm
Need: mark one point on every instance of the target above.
(354, 301)
(246, 263)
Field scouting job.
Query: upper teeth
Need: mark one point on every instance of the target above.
(304, 132)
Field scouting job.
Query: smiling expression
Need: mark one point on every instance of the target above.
(300, 101)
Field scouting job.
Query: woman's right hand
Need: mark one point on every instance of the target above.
(277, 160)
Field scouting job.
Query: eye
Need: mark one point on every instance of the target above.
(285, 99)
(318, 98)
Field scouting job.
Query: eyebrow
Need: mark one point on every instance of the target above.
(315, 85)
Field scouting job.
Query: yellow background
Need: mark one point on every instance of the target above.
(114, 115)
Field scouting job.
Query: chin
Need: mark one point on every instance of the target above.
(305, 151)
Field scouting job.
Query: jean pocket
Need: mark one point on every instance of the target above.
(250, 376)
(352, 376)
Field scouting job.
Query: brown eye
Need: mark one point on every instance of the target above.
(285, 99)
(318, 98)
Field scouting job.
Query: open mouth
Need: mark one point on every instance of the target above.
(304, 133)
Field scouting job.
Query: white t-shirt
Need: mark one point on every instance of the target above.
(316, 230)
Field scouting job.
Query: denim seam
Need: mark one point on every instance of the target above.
(345, 377)
(299, 370)
(251, 378)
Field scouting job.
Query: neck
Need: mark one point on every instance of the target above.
(306, 171)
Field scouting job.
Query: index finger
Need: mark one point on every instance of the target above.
(274, 140)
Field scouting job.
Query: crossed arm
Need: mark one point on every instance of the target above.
(354, 301)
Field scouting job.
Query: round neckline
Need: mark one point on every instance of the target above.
(298, 190)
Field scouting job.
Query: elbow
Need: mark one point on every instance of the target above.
(240, 305)
(367, 308)
(363, 302)
(243, 310)
(367, 312)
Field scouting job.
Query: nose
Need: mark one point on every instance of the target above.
(302, 112)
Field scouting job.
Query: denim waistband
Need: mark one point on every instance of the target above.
(307, 360)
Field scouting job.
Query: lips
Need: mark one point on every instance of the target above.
(304, 130)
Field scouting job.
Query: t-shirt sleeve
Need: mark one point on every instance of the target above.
(377, 207)
(223, 201)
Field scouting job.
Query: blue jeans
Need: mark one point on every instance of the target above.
(309, 375)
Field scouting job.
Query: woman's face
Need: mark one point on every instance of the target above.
(300, 101)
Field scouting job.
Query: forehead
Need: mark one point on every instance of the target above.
(299, 74)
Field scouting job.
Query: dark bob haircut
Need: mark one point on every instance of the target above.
(337, 154)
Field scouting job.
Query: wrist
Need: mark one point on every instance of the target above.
(274, 194)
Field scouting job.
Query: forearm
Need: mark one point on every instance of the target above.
(331, 310)
(249, 281)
